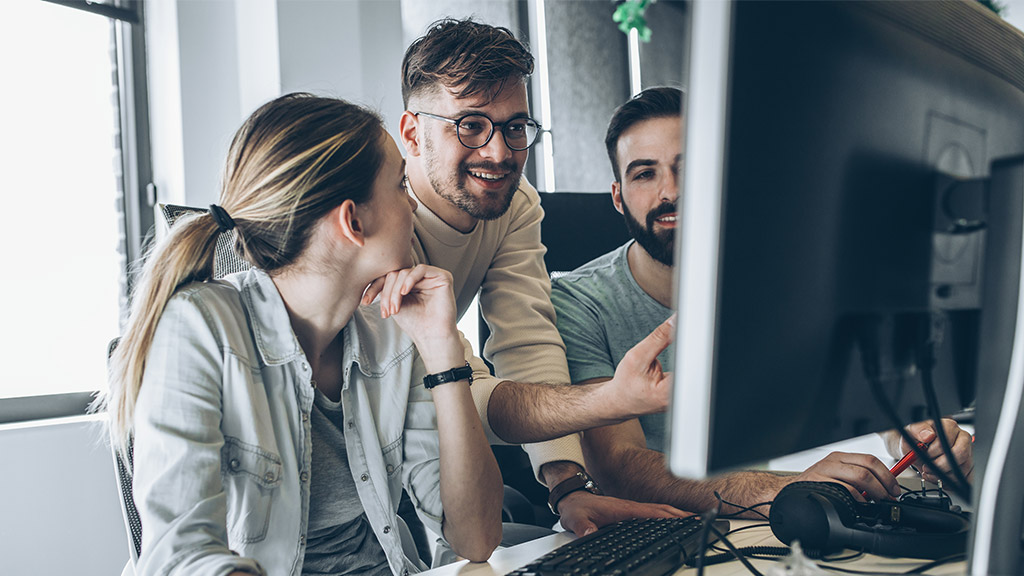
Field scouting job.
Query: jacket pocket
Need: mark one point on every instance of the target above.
(394, 458)
(251, 477)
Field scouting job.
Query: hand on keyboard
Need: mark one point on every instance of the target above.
(582, 512)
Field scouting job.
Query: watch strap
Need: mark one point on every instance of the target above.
(454, 375)
(576, 482)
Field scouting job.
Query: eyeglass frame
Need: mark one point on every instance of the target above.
(458, 121)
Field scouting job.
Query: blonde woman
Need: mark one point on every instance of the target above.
(275, 414)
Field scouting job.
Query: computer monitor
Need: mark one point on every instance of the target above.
(852, 231)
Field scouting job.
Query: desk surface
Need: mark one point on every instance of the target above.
(508, 559)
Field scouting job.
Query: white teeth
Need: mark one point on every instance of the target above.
(486, 176)
(667, 219)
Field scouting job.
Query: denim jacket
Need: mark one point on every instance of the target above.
(222, 433)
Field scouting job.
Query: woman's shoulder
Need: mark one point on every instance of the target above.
(212, 306)
(214, 296)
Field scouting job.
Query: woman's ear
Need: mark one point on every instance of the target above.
(346, 218)
(408, 130)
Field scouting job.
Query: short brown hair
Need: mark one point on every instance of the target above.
(656, 102)
(466, 56)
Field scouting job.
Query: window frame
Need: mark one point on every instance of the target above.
(138, 193)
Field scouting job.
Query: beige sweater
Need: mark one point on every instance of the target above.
(504, 260)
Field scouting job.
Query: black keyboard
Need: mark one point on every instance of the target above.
(641, 547)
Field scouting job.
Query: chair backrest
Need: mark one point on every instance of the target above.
(131, 514)
(579, 227)
(226, 260)
(123, 470)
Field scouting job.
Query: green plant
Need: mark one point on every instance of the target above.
(630, 14)
(994, 5)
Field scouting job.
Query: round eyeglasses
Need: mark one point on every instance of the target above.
(475, 130)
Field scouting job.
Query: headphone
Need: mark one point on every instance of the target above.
(823, 516)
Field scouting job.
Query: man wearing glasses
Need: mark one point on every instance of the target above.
(467, 132)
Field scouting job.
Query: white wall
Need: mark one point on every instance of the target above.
(212, 62)
(59, 510)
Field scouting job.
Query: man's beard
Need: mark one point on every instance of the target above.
(453, 187)
(659, 246)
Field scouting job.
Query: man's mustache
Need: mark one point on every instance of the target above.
(661, 210)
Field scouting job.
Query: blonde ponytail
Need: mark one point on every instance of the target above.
(185, 255)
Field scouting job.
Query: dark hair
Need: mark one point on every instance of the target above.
(657, 102)
(466, 56)
(294, 160)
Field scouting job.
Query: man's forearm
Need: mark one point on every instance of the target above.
(521, 412)
(642, 475)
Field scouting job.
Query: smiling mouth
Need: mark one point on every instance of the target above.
(666, 219)
(490, 177)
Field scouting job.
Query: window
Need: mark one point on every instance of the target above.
(74, 153)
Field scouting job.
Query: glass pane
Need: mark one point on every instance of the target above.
(62, 236)
(589, 77)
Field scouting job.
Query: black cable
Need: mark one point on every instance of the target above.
(739, 556)
(869, 360)
(746, 551)
(939, 562)
(741, 509)
(933, 407)
(852, 571)
(714, 546)
(854, 554)
(921, 454)
(706, 520)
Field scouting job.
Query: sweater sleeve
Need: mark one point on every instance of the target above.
(515, 297)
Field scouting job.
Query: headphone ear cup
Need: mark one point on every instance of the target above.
(812, 512)
(824, 516)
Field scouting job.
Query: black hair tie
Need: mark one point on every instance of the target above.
(220, 216)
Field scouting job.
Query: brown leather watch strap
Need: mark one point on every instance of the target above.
(578, 481)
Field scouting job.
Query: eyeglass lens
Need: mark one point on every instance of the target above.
(519, 133)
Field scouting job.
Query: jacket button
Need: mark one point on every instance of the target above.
(305, 417)
(351, 424)
(305, 367)
(268, 477)
(302, 540)
(387, 529)
(234, 464)
(390, 468)
(364, 477)
(304, 477)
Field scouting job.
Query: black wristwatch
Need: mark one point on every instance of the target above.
(578, 481)
(453, 375)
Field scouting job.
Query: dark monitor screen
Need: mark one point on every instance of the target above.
(851, 223)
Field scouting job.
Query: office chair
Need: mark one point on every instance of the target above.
(577, 228)
(226, 260)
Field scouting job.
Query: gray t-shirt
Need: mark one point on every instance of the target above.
(601, 313)
(340, 539)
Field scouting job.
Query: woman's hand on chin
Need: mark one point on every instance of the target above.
(422, 302)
